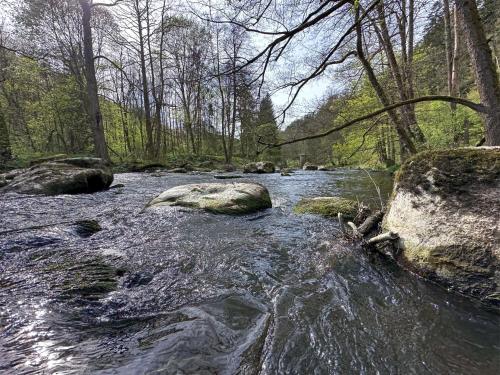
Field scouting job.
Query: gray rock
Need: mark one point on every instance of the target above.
(259, 167)
(323, 168)
(228, 168)
(310, 167)
(234, 198)
(445, 209)
(54, 178)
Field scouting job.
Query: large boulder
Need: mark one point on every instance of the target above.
(309, 167)
(65, 176)
(328, 207)
(259, 167)
(235, 198)
(323, 168)
(445, 208)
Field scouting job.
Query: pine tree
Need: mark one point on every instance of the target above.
(267, 129)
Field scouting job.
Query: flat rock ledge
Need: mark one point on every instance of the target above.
(220, 198)
(64, 176)
(445, 208)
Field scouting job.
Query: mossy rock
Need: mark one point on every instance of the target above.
(448, 172)
(234, 198)
(89, 279)
(445, 209)
(328, 207)
(53, 178)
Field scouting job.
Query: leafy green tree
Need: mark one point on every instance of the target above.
(5, 152)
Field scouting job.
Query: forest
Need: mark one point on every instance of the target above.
(154, 80)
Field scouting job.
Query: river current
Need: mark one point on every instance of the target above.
(175, 291)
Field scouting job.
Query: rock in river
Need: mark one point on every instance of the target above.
(259, 167)
(65, 176)
(445, 208)
(235, 198)
(310, 167)
(328, 207)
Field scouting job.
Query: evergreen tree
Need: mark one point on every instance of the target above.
(267, 129)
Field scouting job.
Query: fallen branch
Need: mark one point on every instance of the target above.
(387, 236)
(354, 229)
(370, 222)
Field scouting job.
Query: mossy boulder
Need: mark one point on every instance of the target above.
(445, 208)
(68, 176)
(235, 198)
(328, 207)
(259, 167)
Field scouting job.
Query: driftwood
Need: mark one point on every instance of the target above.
(387, 236)
(370, 223)
(354, 229)
(366, 227)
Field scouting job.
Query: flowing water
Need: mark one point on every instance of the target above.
(173, 291)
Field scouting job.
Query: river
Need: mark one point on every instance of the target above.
(172, 291)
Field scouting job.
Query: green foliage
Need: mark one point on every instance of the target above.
(267, 130)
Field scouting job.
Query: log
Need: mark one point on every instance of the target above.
(370, 222)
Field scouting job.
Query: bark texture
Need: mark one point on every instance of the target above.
(94, 110)
(485, 73)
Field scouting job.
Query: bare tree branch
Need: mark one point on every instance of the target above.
(467, 103)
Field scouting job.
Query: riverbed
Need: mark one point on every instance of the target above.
(177, 291)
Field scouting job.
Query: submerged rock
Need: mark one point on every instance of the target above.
(228, 168)
(328, 207)
(259, 167)
(64, 176)
(445, 209)
(235, 198)
(310, 167)
(86, 228)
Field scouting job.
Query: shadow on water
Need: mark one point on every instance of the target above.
(176, 291)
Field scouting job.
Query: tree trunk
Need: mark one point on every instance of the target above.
(484, 68)
(407, 145)
(145, 90)
(5, 151)
(94, 110)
